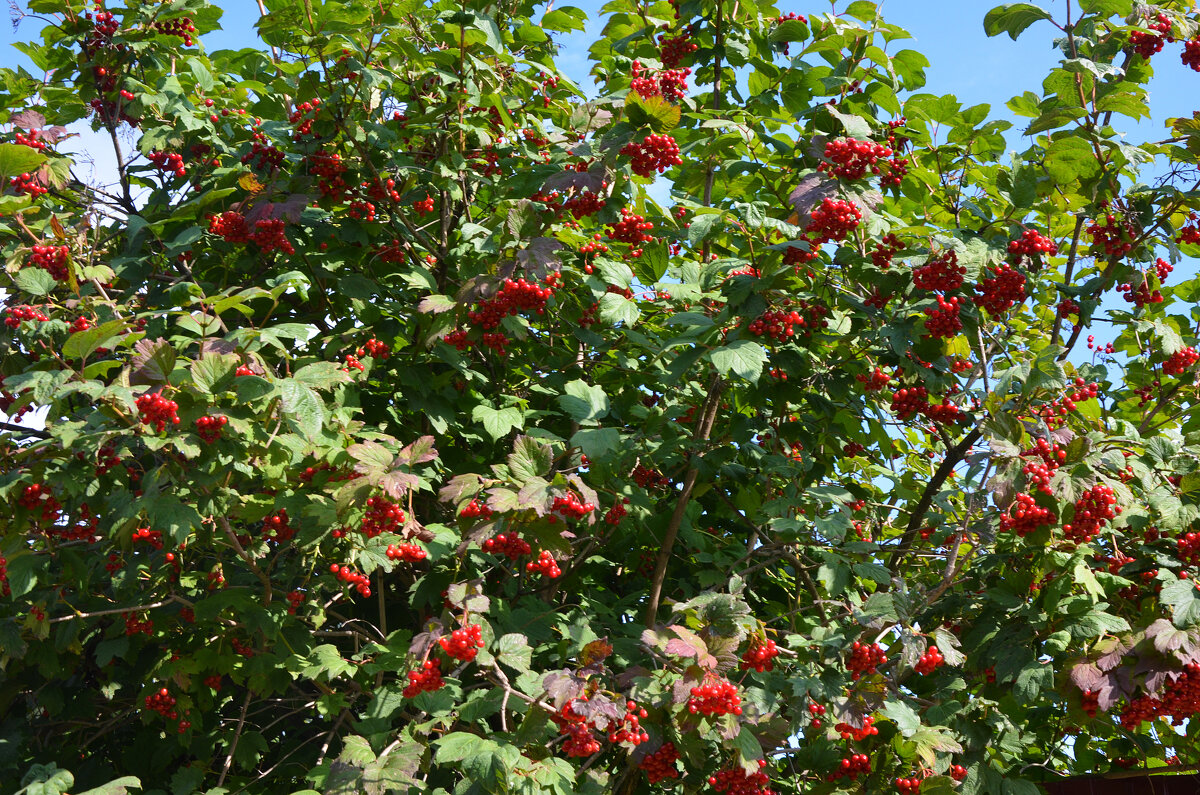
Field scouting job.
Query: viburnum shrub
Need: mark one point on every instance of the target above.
(390, 416)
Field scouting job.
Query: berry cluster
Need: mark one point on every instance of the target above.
(135, 625)
(670, 83)
(230, 225)
(1140, 293)
(510, 545)
(1039, 472)
(1178, 362)
(942, 272)
(346, 574)
(424, 206)
(407, 553)
(156, 410)
(852, 767)
(168, 162)
(655, 153)
(1025, 516)
(958, 772)
(295, 599)
(865, 659)
(736, 781)
(52, 259)
(630, 730)
(631, 229)
(885, 249)
(148, 536)
(1001, 291)
(649, 478)
(908, 401)
(1092, 512)
(1180, 701)
(876, 381)
(660, 765)
(163, 703)
(580, 740)
(943, 321)
(1191, 54)
(37, 497)
(715, 696)
(277, 527)
(514, 297)
(1111, 235)
(570, 506)
(382, 516)
(426, 679)
(209, 428)
(25, 184)
(476, 510)
(857, 733)
(263, 155)
(1187, 548)
(760, 656)
(15, 314)
(1148, 42)
(545, 565)
(1032, 244)
(930, 661)
(182, 27)
(31, 140)
(908, 785)
(674, 49)
(850, 158)
(832, 220)
(463, 644)
(816, 712)
(776, 324)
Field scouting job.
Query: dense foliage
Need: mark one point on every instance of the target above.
(398, 438)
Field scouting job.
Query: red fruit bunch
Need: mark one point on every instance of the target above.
(1025, 516)
(1001, 291)
(674, 49)
(463, 644)
(209, 428)
(406, 553)
(426, 679)
(655, 153)
(382, 516)
(832, 220)
(715, 696)
(570, 506)
(852, 767)
(857, 733)
(1093, 511)
(278, 528)
(513, 298)
(660, 765)
(888, 247)
(943, 321)
(15, 314)
(1148, 42)
(874, 382)
(736, 781)
(346, 574)
(1112, 236)
(1191, 54)
(908, 401)
(865, 659)
(760, 656)
(156, 410)
(850, 158)
(1179, 362)
(52, 259)
(1032, 244)
(930, 661)
(545, 565)
(27, 185)
(940, 273)
(476, 510)
(511, 545)
(630, 730)
(168, 162)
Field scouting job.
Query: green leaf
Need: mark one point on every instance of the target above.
(322, 375)
(34, 281)
(456, 746)
(1013, 19)
(660, 114)
(118, 786)
(302, 407)
(513, 650)
(905, 717)
(497, 422)
(214, 372)
(16, 159)
(82, 344)
(1070, 160)
(1184, 600)
(743, 358)
(618, 309)
(529, 459)
(583, 402)
(702, 226)
(596, 443)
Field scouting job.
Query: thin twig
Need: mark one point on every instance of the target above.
(236, 736)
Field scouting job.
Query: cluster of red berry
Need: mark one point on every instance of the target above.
(295, 599)
(148, 536)
(1032, 244)
(943, 320)
(816, 713)
(1191, 54)
(1187, 548)
(940, 273)
(852, 767)
(168, 162)
(36, 497)
(277, 527)
(1148, 42)
(182, 27)
(545, 565)
(661, 765)
(1180, 701)
(1179, 362)
(776, 323)
(865, 659)
(655, 153)
(463, 644)
(156, 410)
(760, 656)
(382, 516)
(571, 507)
(876, 381)
(857, 733)
(908, 785)
(476, 510)
(31, 140)
(908, 401)
(629, 729)
(736, 781)
(510, 545)
(406, 553)
(715, 696)
(631, 229)
(1093, 511)
(209, 428)
(1001, 291)
(617, 512)
(346, 574)
(886, 248)
(13, 315)
(52, 259)
(674, 49)
(1140, 293)
(1111, 235)
(1025, 516)
(850, 158)
(514, 297)
(426, 679)
(930, 661)
(300, 120)
(26, 185)
(424, 206)
(832, 220)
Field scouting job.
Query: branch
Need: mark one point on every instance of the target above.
(244, 555)
(915, 520)
(685, 495)
(40, 434)
(236, 736)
